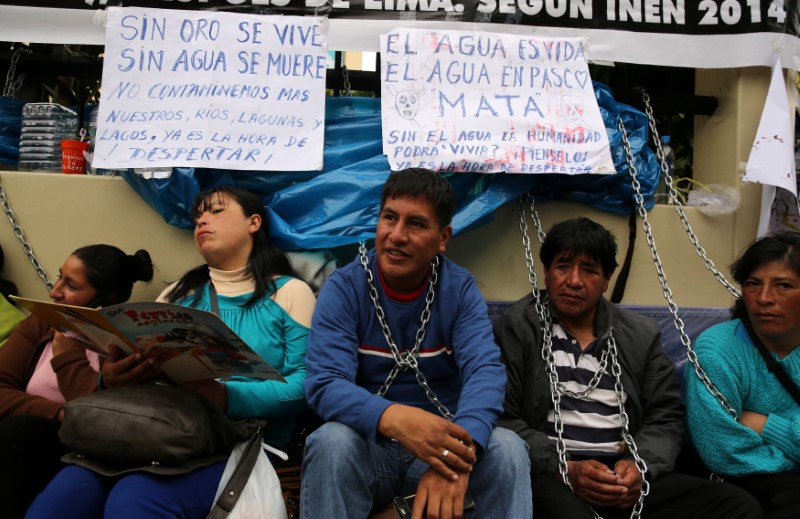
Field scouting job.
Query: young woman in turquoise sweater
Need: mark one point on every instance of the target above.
(759, 449)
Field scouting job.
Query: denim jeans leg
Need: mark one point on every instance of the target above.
(501, 480)
(337, 475)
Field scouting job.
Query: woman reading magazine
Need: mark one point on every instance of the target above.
(41, 369)
(251, 285)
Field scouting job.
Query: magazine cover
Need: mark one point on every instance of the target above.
(189, 344)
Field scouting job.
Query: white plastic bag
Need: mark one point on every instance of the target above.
(261, 497)
(716, 200)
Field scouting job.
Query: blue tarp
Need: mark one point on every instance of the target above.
(339, 205)
(10, 129)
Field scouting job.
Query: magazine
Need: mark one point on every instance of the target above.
(188, 343)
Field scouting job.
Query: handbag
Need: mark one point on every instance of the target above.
(154, 428)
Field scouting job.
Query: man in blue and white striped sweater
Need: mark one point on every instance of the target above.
(598, 402)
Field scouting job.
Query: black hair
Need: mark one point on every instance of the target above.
(266, 260)
(112, 273)
(7, 287)
(783, 247)
(581, 236)
(425, 184)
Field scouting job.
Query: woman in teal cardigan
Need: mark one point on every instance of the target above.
(760, 449)
(258, 296)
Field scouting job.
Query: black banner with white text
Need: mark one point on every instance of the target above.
(681, 33)
(695, 17)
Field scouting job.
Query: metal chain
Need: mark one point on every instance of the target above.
(662, 277)
(526, 243)
(403, 361)
(676, 203)
(21, 237)
(346, 78)
(12, 85)
(543, 312)
(611, 345)
(557, 389)
(535, 217)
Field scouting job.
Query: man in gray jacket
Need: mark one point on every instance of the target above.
(595, 397)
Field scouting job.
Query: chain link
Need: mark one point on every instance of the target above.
(346, 79)
(662, 277)
(12, 85)
(556, 388)
(676, 203)
(21, 237)
(403, 361)
(526, 242)
(611, 346)
(537, 223)
(544, 317)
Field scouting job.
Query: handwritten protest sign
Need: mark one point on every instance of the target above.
(208, 89)
(488, 102)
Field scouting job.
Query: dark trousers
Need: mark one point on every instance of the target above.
(30, 455)
(671, 496)
(779, 494)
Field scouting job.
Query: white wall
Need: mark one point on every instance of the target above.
(60, 213)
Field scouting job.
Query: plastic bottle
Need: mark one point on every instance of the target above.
(662, 190)
(93, 139)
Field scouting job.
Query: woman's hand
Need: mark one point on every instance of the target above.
(755, 421)
(120, 369)
(212, 390)
(63, 343)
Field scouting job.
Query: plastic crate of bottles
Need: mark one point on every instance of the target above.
(43, 127)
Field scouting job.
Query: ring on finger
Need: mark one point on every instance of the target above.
(444, 454)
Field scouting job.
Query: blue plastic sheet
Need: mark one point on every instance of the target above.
(339, 205)
(10, 128)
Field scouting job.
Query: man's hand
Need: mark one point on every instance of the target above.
(755, 421)
(439, 498)
(631, 479)
(595, 483)
(427, 436)
(126, 370)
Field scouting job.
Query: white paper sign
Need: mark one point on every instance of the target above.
(771, 160)
(488, 102)
(210, 89)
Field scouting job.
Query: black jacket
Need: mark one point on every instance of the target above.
(648, 377)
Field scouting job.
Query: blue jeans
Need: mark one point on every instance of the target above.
(347, 475)
(79, 493)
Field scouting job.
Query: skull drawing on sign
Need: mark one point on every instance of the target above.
(407, 104)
